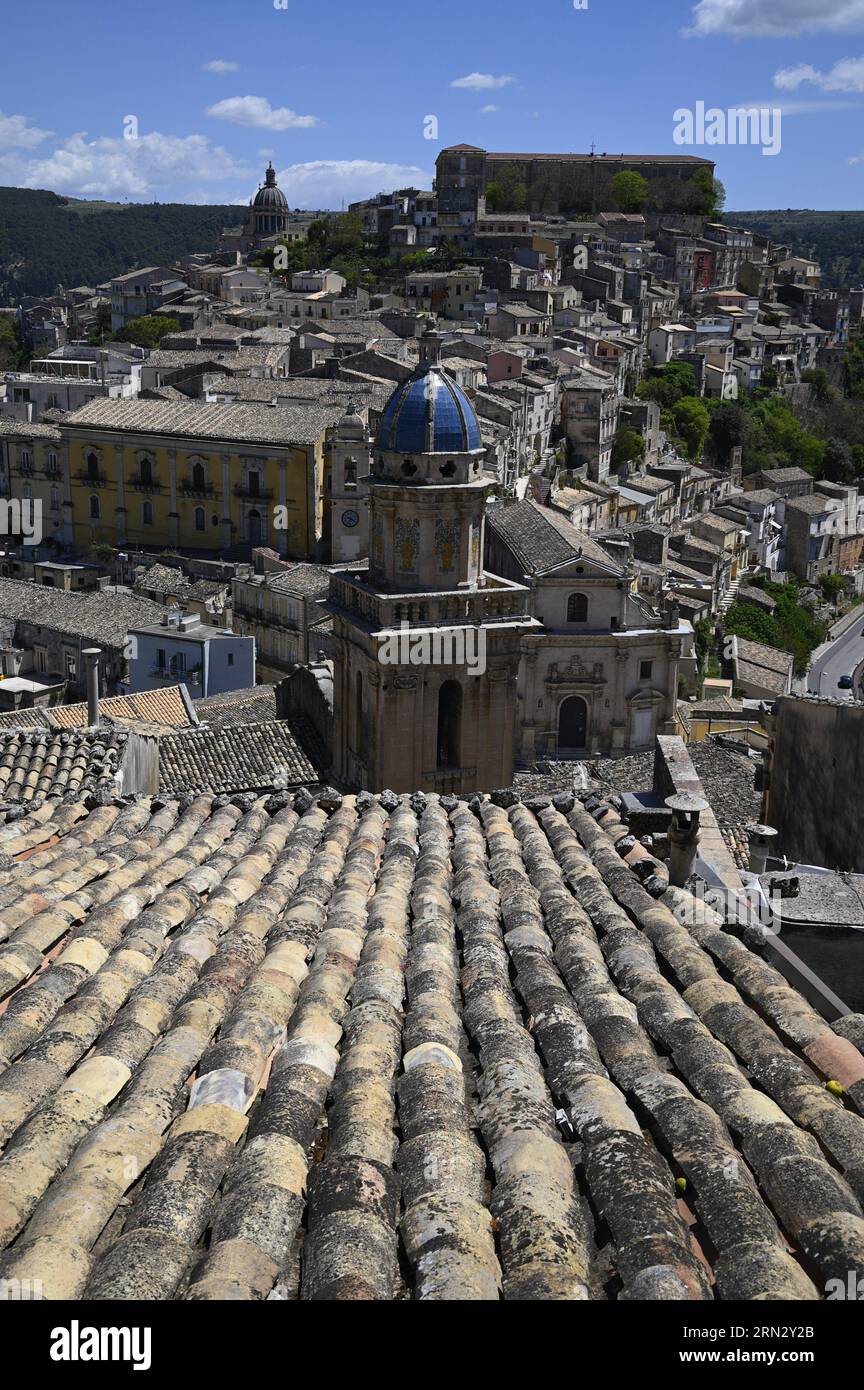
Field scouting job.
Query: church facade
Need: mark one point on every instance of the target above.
(477, 636)
(427, 643)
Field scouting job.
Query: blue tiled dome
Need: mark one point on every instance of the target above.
(429, 391)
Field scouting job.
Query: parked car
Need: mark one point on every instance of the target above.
(845, 683)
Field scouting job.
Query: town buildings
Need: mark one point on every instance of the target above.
(180, 648)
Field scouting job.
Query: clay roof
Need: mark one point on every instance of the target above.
(40, 764)
(251, 706)
(262, 756)
(540, 1080)
(541, 539)
(166, 706)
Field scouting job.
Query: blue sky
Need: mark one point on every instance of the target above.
(337, 92)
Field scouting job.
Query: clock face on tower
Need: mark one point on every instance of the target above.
(350, 518)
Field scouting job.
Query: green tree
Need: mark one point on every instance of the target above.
(666, 385)
(706, 195)
(12, 354)
(817, 377)
(692, 419)
(148, 331)
(628, 446)
(507, 192)
(832, 586)
(838, 465)
(101, 329)
(629, 191)
(790, 628)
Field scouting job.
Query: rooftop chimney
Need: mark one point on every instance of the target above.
(761, 838)
(91, 656)
(683, 835)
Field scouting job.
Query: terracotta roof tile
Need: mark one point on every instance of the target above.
(521, 1053)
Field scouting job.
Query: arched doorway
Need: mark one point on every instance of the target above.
(573, 725)
(450, 725)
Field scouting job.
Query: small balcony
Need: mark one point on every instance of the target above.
(144, 484)
(189, 489)
(260, 494)
(92, 478)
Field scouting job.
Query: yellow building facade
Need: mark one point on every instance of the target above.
(198, 477)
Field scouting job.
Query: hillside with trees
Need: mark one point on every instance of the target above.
(835, 239)
(46, 240)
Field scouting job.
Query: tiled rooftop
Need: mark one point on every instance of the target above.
(379, 1048)
(541, 538)
(297, 423)
(40, 764)
(166, 706)
(100, 616)
(250, 706)
(261, 756)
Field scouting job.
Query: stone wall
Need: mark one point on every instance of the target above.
(817, 774)
(674, 772)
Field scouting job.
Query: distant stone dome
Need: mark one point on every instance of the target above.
(429, 413)
(270, 197)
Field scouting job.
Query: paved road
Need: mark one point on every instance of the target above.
(841, 658)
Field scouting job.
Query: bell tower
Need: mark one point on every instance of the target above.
(349, 500)
(427, 643)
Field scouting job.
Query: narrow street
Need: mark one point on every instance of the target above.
(843, 657)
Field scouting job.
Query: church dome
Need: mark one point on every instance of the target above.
(429, 413)
(270, 197)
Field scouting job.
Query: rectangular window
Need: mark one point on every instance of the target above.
(645, 670)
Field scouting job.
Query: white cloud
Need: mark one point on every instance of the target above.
(220, 66)
(490, 109)
(856, 159)
(482, 81)
(16, 133)
(152, 166)
(325, 183)
(257, 111)
(775, 18)
(847, 75)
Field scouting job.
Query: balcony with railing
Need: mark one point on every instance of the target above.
(189, 488)
(92, 477)
(259, 494)
(144, 482)
(497, 602)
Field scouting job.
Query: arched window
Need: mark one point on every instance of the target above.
(146, 472)
(94, 508)
(93, 467)
(577, 608)
(147, 514)
(51, 461)
(199, 518)
(199, 477)
(450, 724)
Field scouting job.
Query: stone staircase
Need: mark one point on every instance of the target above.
(730, 596)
